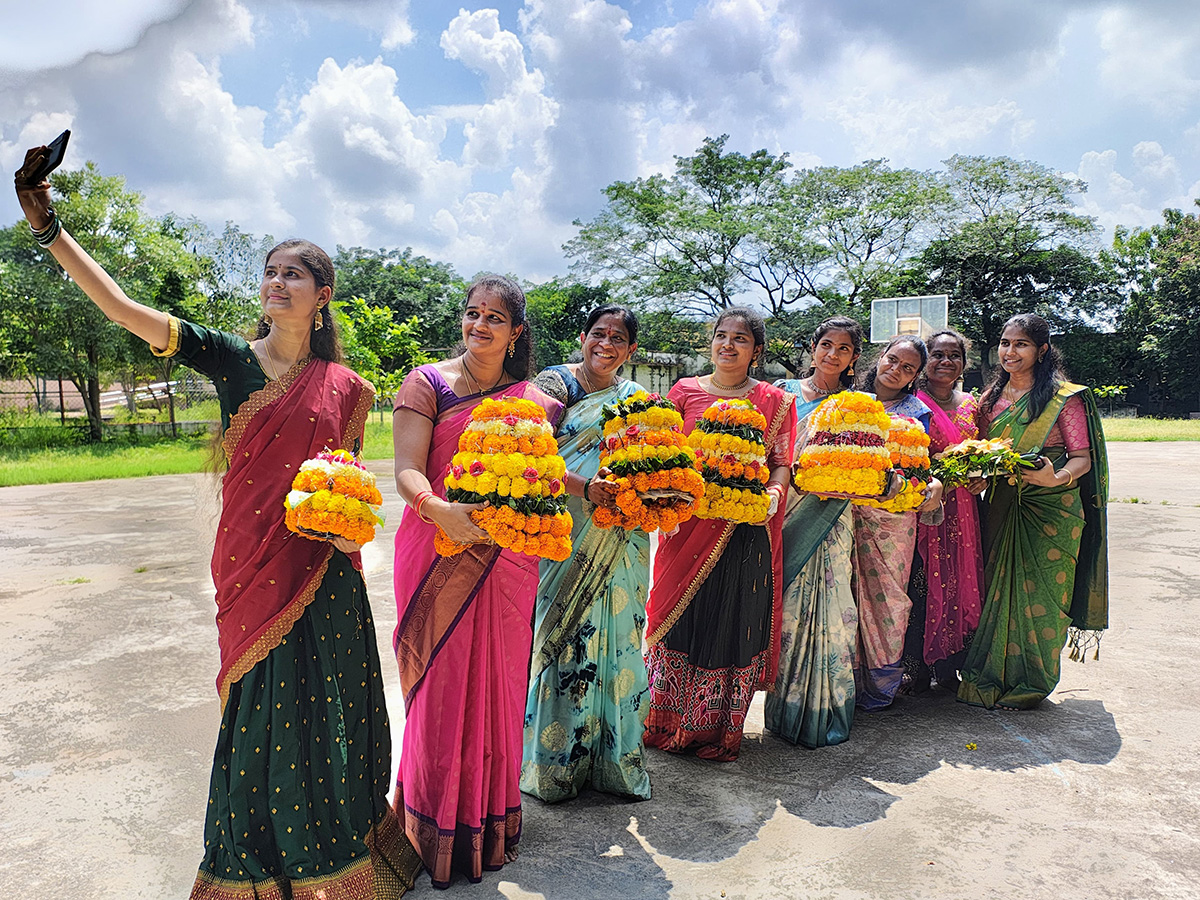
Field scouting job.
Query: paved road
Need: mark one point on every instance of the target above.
(109, 714)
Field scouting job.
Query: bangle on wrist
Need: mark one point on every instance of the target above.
(586, 484)
(1070, 476)
(419, 501)
(45, 237)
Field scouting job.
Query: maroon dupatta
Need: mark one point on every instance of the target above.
(264, 574)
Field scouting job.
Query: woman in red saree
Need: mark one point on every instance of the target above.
(715, 608)
(298, 799)
(465, 621)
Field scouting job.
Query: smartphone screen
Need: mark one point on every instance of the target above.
(55, 151)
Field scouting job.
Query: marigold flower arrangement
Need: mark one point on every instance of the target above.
(846, 451)
(908, 448)
(730, 454)
(648, 458)
(959, 463)
(508, 458)
(333, 495)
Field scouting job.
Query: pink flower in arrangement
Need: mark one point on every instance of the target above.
(511, 420)
(655, 397)
(477, 468)
(677, 429)
(530, 474)
(722, 406)
(555, 485)
(458, 471)
(631, 431)
(752, 466)
(730, 458)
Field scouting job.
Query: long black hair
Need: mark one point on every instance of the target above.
(519, 364)
(753, 320)
(852, 328)
(866, 381)
(324, 342)
(1048, 372)
(964, 347)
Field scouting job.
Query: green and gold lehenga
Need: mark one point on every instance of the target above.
(297, 807)
(1046, 566)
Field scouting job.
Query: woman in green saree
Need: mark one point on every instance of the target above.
(1046, 543)
(588, 695)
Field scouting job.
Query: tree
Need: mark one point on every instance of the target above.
(409, 285)
(379, 348)
(695, 238)
(1160, 267)
(1012, 243)
(557, 311)
(65, 333)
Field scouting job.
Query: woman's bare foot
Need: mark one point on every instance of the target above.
(511, 853)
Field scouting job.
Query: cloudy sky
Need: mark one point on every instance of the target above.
(477, 133)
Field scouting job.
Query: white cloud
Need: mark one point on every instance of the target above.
(387, 18)
(1137, 196)
(1149, 59)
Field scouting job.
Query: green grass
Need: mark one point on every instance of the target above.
(115, 459)
(1152, 429)
(94, 462)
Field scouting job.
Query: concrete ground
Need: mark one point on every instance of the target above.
(109, 714)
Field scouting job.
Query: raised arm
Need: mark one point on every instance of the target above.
(151, 325)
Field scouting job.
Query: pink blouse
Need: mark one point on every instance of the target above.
(1071, 429)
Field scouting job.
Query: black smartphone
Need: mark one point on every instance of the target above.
(55, 151)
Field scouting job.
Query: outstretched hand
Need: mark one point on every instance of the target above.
(33, 197)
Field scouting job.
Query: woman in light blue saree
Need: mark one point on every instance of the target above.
(813, 700)
(588, 695)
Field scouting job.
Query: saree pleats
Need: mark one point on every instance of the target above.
(588, 692)
(813, 700)
(457, 787)
(298, 798)
(884, 543)
(705, 670)
(1033, 547)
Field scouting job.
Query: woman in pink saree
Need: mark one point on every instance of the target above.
(948, 569)
(464, 629)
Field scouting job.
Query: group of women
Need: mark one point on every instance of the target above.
(536, 678)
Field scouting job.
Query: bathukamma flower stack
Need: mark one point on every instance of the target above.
(508, 458)
(846, 452)
(648, 458)
(333, 495)
(730, 455)
(908, 449)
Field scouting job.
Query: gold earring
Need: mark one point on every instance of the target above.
(317, 323)
(850, 371)
(268, 320)
(512, 346)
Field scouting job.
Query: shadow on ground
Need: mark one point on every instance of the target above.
(705, 811)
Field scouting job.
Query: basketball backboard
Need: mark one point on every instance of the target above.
(921, 316)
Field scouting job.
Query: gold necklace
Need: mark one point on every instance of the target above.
(271, 361)
(462, 361)
(585, 381)
(1012, 396)
(731, 389)
(819, 391)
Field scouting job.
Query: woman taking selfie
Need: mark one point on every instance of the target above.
(299, 679)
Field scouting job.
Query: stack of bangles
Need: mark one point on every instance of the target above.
(778, 491)
(46, 237)
(419, 501)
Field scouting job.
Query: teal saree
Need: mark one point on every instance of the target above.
(588, 695)
(813, 700)
(1046, 567)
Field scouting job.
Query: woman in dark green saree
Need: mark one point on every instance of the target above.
(1046, 543)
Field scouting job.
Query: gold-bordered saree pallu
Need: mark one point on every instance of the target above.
(298, 801)
(715, 610)
(1046, 567)
(462, 644)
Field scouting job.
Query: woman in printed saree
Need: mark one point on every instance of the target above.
(885, 542)
(298, 797)
(464, 632)
(714, 615)
(813, 700)
(1046, 538)
(588, 695)
(947, 574)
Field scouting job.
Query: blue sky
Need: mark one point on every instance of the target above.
(476, 133)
